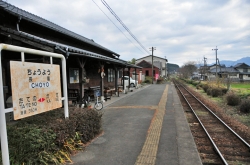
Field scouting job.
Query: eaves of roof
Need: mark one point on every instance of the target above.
(245, 73)
(147, 63)
(223, 70)
(154, 56)
(241, 65)
(45, 23)
(66, 49)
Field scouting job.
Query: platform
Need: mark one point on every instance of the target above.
(145, 133)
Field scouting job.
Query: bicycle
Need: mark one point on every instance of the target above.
(98, 104)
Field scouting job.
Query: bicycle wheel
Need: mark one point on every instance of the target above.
(98, 106)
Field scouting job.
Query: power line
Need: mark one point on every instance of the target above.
(116, 26)
(120, 21)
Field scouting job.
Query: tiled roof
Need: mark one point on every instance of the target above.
(45, 23)
(228, 70)
(71, 50)
(241, 65)
(154, 56)
(145, 64)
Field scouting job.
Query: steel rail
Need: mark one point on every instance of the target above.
(210, 138)
(247, 144)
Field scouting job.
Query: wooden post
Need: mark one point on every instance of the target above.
(123, 80)
(116, 79)
(135, 78)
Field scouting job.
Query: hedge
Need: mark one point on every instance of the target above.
(49, 138)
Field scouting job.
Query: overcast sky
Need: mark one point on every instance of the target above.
(180, 30)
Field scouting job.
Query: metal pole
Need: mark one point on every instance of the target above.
(216, 59)
(152, 65)
(165, 68)
(3, 130)
(65, 92)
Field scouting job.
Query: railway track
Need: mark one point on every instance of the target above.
(216, 141)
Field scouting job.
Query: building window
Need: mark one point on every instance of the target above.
(147, 74)
(120, 74)
(245, 70)
(73, 75)
(111, 75)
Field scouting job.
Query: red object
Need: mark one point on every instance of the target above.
(41, 100)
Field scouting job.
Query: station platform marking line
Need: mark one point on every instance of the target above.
(150, 147)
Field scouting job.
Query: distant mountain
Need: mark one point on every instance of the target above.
(172, 67)
(229, 63)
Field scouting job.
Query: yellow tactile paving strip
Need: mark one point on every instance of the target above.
(150, 147)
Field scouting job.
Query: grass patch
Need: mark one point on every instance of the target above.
(148, 80)
(245, 119)
(241, 89)
(202, 113)
(241, 85)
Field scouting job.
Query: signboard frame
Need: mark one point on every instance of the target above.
(36, 88)
(22, 50)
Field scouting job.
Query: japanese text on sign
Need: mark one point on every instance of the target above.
(35, 88)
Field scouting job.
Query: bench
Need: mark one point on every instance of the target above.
(108, 92)
(91, 92)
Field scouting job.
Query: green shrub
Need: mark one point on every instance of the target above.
(224, 90)
(215, 92)
(209, 91)
(205, 87)
(159, 81)
(198, 86)
(232, 99)
(195, 83)
(147, 81)
(49, 138)
(245, 106)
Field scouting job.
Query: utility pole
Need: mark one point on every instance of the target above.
(165, 68)
(205, 67)
(153, 48)
(216, 59)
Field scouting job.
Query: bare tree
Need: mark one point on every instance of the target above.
(188, 68)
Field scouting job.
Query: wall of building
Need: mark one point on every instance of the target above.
(162, 64)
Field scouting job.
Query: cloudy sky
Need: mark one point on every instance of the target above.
(180, 30)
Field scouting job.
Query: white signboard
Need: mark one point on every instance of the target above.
(36, 88)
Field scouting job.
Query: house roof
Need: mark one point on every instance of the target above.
(157, 64)
(224, 70)
(154, 57)
(145, 64)
(62, 47)
(241, 65)
(45, 23)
